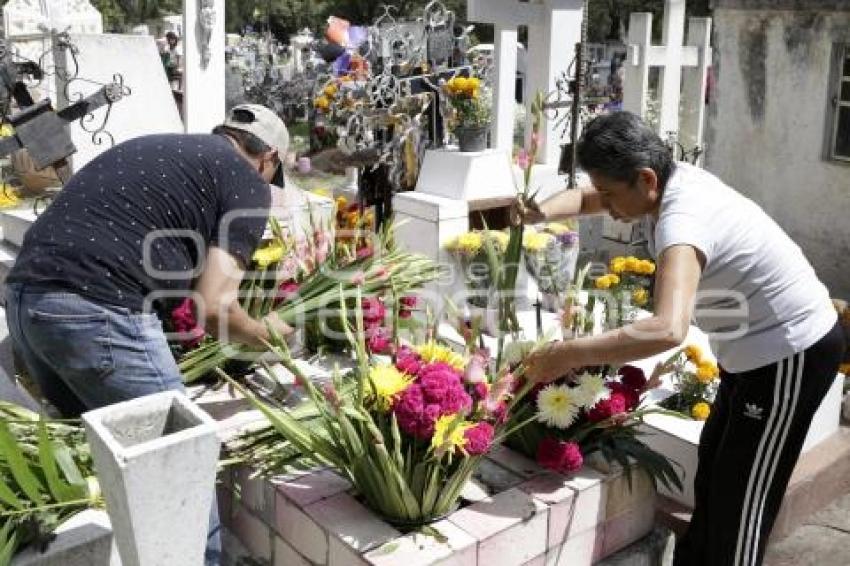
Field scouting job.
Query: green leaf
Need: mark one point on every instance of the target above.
(21, 471)
(46, 455)
(8, 542)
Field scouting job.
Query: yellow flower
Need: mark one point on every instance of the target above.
(645, 267)
(431, 352)
(618, 265)
(500, 239)
(341, 203)
(268, 255)
(6, 130)
(558, 228)
(385, 382)
(450, 432)
(693, 353)
(321, 191)
(330, 90)
(535, 242)
(322, 103)
(631, 263)
(469, 243)
(707, 371)
(558, 405)
(640, 297)
(614, 278)
(603, 282)
(700, 411)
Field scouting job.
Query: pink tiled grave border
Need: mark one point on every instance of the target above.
(516, 513)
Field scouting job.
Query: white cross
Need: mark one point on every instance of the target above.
(203, 87)
(554, 27)
(684, 71)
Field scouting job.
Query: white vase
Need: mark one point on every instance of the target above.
(156, 459)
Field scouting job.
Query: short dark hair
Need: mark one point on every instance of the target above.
(251, 144)
(618, 144)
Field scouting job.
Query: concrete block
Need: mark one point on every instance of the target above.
(452, 546)
(515, 462)
(467, 176)
(552, 490)
(511, 527)
(285, 555)
(342, 554)
(310, 488)
(623, 496)
(254, 534)
(627, 527)
(344, 517)
(256, 493)
(159, 516)
(83, 540)
(581, 549)
(300, 531)
(495, 477)
(220, 403)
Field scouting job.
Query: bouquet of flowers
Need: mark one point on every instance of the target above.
(594, 413)
(407, 432)
(627, 285)
(470, 249)
(470, 102)
(300, 281)
(550, 257)
(695, 379)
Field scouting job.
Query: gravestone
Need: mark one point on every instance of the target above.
(149, 109)
(203, 74)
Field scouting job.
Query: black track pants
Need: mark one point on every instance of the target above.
(747, 451)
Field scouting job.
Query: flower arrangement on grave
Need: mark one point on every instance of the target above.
(471, 251)
(299, 279)
(695, 379)
(471, 110)
(550, 257)
(627, 285)
(593, 413)
(407, 431)
(46, 477)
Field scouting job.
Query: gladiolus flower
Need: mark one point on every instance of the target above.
(523, 159)
(358, 279)
(476, 370)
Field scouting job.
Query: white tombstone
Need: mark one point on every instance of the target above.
(677, 62)
(554, 27)
(299, 43)
(204, 82)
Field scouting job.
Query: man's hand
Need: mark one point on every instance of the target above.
(277, 325)
(548, 363)
(526, 211)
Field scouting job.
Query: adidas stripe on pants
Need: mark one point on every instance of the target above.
(747, 451)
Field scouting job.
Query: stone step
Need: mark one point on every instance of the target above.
(821, 476)
(15, 222)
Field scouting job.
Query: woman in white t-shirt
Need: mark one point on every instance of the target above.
(727, 265)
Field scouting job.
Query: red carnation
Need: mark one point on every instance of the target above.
(631, 396)
(632, 377)
(559, 456)
(614, 405)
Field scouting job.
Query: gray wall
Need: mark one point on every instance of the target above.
(766, 127)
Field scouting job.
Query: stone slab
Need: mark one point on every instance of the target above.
(83, 540)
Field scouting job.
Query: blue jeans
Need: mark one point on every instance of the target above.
(85, 355)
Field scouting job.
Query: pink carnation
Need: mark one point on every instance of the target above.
(615, 404)
(408, 361)
(479, 438)
(559, 456)
(416, 417)
(480, 391)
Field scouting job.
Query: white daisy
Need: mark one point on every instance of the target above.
(557, 406)
(590, 390)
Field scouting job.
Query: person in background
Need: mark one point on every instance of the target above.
(153, 218)
(724, 262)
(173, 60)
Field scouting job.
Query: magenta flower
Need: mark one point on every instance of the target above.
(523, 159)
(378, 341)
(373, 311)
(184, 321)
(559, 456)
(479, 438)
(408, 361)
(632, 377)
(615, 404)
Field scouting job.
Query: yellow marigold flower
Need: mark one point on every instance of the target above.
(700, 411)
(6, 130)
(707, 371)
(640, 297)
(341, 203)
(385, 382)
(631, 263)
(646, 267)
(352, 218)
(693, 353)
(268, 255)
(472, 84)
(614, 278)
(450, 433)
(331, 90)
(558, 228)
(603, 282)
(536, 241)
(469, 243)
(431, 352)
(460, 84)
(618, 265)
(322, 103)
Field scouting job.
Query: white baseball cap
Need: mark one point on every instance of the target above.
(261, 122)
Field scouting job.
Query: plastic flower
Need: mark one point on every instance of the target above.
(557, 405)
(268, 255)
(431, 352)
(640, 297)
(386, 383)
(707, 371)
(559, 456)
(591, 389)
(450, 432)
(479, 438)
(700, 411)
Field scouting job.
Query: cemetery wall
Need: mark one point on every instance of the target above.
(769, 120)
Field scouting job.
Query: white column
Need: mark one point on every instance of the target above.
(694, 82)
(504, 87)
(203, 88)
(671, 72)
(551, 48)
(636, 83)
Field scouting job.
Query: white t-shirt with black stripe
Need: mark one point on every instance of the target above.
(759, 299)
